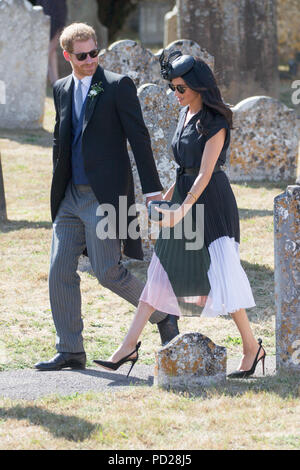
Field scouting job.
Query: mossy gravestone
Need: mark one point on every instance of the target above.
(190, 360)
(287, 278)
(24, 42)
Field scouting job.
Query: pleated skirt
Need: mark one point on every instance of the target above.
(195, 268)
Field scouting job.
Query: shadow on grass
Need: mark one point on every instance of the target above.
(250, 213)
(118, 379)
(13, 225)
(71, 428)
(284, 384)
(40, 137)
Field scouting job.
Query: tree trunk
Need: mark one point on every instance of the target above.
(242, 37)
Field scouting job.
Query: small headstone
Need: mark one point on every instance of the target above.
(264, 143)
(287, 278)
(188, 361)
(24, 42)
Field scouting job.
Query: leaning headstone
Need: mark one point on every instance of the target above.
(24, 40)
(139, 63)
(87, 12)
(264, 143)
(189, 361)
(3, 213)
(287, 278)
(160, 110)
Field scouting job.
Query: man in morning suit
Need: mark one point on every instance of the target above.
(96, 112)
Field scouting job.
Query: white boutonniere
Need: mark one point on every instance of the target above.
(95, 90)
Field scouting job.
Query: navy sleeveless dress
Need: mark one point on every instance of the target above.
(184, 276)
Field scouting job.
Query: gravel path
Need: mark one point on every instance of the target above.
(30, 384)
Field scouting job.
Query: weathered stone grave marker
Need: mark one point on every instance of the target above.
(190, 360)
(287, 278)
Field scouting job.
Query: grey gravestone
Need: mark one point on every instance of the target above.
(287, 278)
(24, 40)
(264, 143)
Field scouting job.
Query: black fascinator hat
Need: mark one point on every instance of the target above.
(196, 72)
(199, 77)
(175, 65)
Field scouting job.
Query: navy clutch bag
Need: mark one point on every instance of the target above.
(153, 214)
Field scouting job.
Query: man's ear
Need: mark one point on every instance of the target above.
(66, 56)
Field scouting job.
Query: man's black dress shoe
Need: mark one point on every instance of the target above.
(63, 360)
(168, 329)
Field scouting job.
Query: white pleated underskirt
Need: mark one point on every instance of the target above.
(230, 289)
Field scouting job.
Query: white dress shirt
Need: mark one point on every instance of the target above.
(85, 86)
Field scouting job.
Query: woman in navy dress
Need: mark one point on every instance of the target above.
(209, 276)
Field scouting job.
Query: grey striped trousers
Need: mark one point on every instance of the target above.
(73, 229)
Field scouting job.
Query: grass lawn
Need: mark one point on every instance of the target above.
(257, 414)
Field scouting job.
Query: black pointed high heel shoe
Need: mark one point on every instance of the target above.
(115, 365)
(241, 374)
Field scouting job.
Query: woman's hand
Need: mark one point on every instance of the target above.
(170, 217)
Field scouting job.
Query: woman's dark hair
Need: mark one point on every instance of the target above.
(201, 79)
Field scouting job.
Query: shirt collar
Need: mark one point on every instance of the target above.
(86, 81)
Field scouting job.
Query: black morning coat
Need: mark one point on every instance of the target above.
(111, 117)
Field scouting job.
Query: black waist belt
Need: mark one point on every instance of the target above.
(194, 171)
